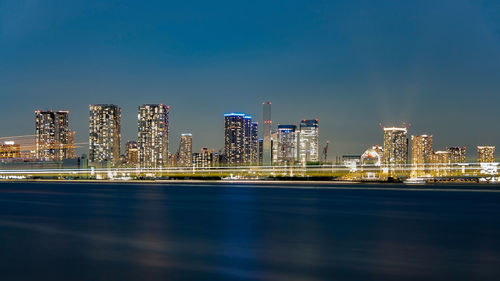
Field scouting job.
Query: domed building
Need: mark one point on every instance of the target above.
(372, 156)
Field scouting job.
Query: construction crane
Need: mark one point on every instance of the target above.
(325, 151)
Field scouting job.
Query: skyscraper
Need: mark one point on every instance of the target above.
(131, 153)
(421, 154)
(485, 154)
(308, 141)
(105, 135)
(254, 145)
(247, 141)
(457, 154)
(51, 135)
(152, 137)
(267, 121)
(395, 146)
(234, 138)
(185, 150)
(287, 144)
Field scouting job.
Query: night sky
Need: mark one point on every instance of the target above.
(352, 64)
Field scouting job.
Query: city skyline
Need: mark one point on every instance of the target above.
(350, 68)
(81, 148)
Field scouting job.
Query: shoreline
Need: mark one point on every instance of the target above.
(447, 186)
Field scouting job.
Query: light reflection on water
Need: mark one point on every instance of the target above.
(189, 232)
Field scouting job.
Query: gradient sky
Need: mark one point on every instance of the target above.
(352, 64)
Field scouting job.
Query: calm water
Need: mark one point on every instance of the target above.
(240, 232)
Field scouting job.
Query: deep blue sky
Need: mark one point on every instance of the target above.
(352, 64)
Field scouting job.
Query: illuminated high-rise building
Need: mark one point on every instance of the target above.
(395, 146)
(240, 139)
(266, 131)
(308, 147)
(287, 144)
(421, 154)
(131, 153)
(457, 154)
(234, 138)
(486, 154)
(421, 149)
(105, 135)
(254, 144)
(51, 135)
(152, 137)
(185, 150)
(247, 140)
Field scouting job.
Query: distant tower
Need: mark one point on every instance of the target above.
(308, 141)
(266, 130)
(152, 138)
(186, 150)
(105, 135)
(51, 135)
